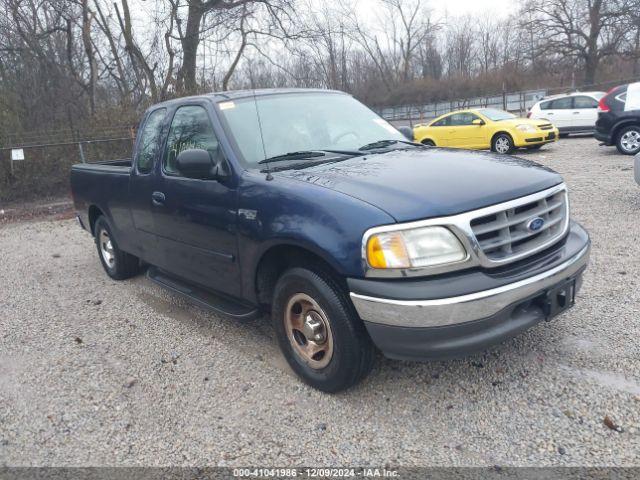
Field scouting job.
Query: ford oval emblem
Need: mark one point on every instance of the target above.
(535, 224)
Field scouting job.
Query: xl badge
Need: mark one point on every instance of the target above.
(535, 224)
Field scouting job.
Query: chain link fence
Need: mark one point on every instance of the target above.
(515, 102)
(36, 164)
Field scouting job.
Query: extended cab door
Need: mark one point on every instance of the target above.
(143, 181)
(195, 219)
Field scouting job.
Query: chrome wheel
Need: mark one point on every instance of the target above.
(106, 249)
(308, 331)
(502, 145)
(630, 141)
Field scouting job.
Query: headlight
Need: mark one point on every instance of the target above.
(526, 128)
(414, 248)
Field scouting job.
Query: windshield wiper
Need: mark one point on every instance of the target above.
(386, 143)
(301, 155)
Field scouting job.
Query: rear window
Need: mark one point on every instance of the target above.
(622, 97)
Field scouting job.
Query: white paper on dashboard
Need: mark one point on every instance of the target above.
(633, 97)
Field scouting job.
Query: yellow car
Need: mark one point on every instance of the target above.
(485, 128)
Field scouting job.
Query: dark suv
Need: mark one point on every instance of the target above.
(618, 120)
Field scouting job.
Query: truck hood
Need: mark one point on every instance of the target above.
(421, 183)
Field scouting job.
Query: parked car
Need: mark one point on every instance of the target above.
(307, 205)
(572, 113)
(619, 119)
(485, 128)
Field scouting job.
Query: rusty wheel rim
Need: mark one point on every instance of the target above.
(308, 331)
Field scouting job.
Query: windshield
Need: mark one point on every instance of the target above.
(302, 122)
(496, 115)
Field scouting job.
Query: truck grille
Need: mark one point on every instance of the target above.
(523, 228)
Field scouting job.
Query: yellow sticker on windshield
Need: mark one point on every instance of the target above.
(227, 105)
(387, 126)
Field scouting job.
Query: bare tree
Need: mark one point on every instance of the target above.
(587, 30)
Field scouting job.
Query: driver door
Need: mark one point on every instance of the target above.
(195, 219)
(463, 133)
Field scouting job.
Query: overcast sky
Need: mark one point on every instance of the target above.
(461, 7)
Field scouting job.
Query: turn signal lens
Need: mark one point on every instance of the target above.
(387, 250)
(414, 248)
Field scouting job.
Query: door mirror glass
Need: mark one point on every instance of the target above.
(478, 121)
(196, 163)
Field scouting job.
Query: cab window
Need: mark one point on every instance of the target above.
(462, 119)
(443, 122)
(190, 128)
(562, 103)
(150, 140)
(584, 102)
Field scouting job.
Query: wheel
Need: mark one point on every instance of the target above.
(119, 265)
(428, 143)
(319, 332)
(534, 147)
(502, 143)
(628, 140)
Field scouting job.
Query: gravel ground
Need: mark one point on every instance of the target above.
(96, 372)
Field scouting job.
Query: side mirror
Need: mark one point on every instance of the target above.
(478, 122)
(407, 132)
(197, 163)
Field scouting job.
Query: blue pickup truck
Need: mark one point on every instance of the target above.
(307, 205)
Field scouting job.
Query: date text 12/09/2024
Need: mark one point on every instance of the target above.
(315, 472)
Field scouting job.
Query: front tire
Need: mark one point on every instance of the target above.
(628, 140)
(119, 265)
(428, 143)
(319, 332)
(502, 143)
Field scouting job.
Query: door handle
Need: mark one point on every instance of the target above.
(576, 113)
(157, 198)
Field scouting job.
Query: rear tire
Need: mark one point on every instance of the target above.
(628, 140)
(319, 332)
(119, 265)
(502, 143)
(428, 143)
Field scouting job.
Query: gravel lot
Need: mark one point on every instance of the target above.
(95, 372)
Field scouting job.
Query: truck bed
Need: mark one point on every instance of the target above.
(112, 166)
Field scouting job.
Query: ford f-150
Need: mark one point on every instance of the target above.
(307, 205)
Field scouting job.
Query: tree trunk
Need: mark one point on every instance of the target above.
(190, 43)
(590, 69)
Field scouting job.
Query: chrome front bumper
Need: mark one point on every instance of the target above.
(465, 308)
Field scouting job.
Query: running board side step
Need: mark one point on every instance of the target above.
(217, 303)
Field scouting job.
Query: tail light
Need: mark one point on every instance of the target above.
(602, 104)
(529, 114)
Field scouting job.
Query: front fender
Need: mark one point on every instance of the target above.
(286, 211)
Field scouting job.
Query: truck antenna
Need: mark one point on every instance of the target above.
(264, 150)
